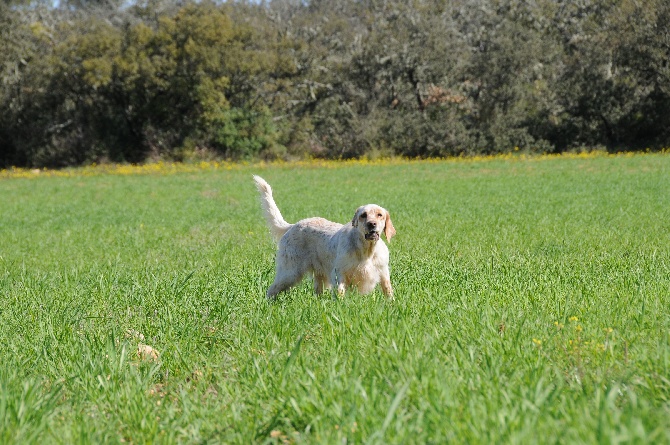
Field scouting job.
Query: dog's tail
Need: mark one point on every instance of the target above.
(278, 226)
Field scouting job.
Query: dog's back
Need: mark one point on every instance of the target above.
(312, 243)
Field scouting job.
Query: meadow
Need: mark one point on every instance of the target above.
(532, 305)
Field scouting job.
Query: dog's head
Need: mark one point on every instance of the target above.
(371, 220)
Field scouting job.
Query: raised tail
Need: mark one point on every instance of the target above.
(278, 226)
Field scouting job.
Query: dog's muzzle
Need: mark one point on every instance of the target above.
(372, 236)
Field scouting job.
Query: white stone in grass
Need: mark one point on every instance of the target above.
(146, 352)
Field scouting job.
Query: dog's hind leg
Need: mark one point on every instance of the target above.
(290, 271)
(321, 283)
(282, 282)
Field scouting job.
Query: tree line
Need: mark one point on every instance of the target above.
(110, 80)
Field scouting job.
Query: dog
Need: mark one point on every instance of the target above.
(337, 256)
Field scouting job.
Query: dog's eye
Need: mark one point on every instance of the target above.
(379, 215)
(364, 215)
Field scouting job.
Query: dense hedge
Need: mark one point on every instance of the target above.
(101, 80)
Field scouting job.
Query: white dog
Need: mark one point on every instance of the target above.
(336, 255)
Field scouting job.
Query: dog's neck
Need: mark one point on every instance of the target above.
(365, 247)
(369, 247)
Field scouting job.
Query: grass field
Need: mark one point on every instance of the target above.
(532, 306)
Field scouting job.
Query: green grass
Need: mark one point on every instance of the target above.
(532, 305)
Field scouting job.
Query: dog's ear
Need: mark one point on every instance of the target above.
(389, 230)
(354, 222)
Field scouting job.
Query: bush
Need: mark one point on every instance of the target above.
(96, 81)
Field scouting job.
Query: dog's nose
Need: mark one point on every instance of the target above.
(372, 224)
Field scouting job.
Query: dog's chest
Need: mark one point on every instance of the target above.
(364, 272)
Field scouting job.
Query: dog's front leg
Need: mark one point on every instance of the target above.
(385, 283)
(340, 285)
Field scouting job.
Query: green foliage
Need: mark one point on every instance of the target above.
(531, 302)
(99, 80)
(127, 92)
(241, 133)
